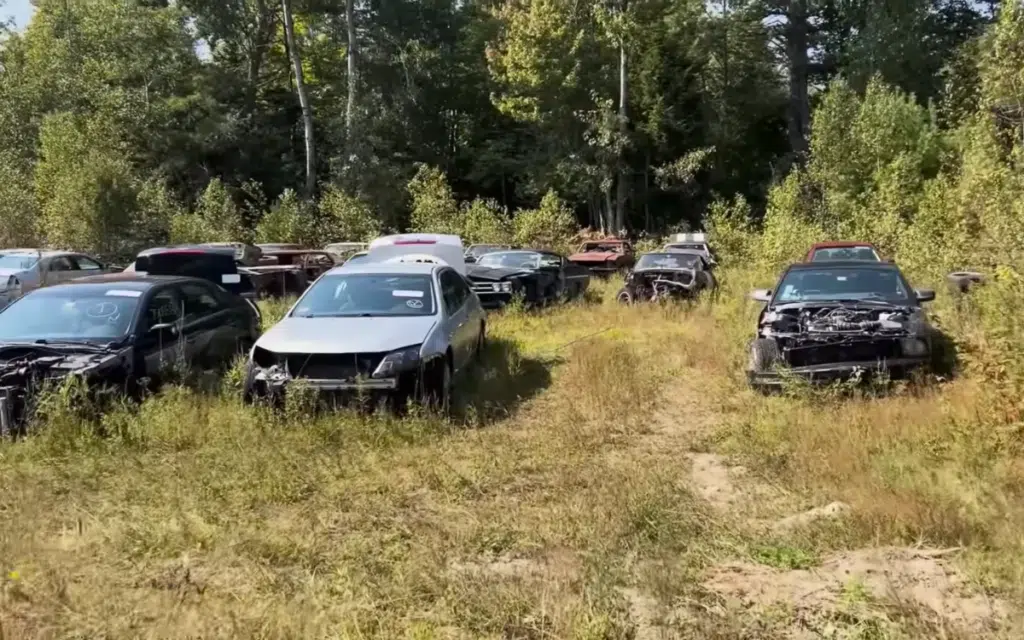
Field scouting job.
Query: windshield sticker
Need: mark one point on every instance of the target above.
(124, 293)
(414, 303)
(403, 293)
(230, 278)
(841, 278)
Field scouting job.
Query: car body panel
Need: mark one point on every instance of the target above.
(541, 278)
(619, 256)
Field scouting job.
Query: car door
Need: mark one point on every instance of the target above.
(456, 316)
(208, 330)
(160, 350)
(474, 315)
(56, 270)
(86, 266)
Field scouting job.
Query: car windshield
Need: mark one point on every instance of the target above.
(359, 257)
(367, 295)
(844, 253)
(604, 247)
(74, 313)
(17, 261)
(667, 261)
(847, 283)
(484, 249)
(511, 259)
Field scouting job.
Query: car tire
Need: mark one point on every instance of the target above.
(437, 394)
(625, 296)
(481, 344)
(764, 355)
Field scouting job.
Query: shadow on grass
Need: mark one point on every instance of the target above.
(500, 383)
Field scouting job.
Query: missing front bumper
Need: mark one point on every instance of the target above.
(821, 374)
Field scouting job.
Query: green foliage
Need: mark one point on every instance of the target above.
(483, 221)
(346, 218)
(549, 226)
(216, 218)
(434, 209)
(18, 210)
(290, 219)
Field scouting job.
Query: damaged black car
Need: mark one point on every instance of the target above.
(119, 332)
(667, 275)
(836, 321)
(538, 277)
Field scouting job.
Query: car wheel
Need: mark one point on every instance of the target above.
(624, 296)
(249, 395)
(437, 392)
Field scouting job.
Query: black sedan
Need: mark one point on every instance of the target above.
(539, 277)
(119, 330)
(829, 321)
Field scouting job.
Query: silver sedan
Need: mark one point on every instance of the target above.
(403, 330)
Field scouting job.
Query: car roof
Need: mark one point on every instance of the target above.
(123, 280)
(843, 264)
(840, 244)
(45, 253)
(188, 248)
(396, 268)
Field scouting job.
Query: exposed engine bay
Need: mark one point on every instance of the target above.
(651, 286)
(832, 323)
(24, 371)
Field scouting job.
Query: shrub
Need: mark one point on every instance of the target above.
(346, 218)
(549, 226)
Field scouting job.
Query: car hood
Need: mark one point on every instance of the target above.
(594, 256)
(346, 335)
(495, 273)
(8, 272)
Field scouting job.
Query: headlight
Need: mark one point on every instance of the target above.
(506, 287)
(264, 359)
(397, 362)
(914, 347)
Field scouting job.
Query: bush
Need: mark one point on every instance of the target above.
(483, 221)
(434, 209)
(290, 219)
(346, 218)
(549, 226)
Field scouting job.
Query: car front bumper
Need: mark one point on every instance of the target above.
(838, 371)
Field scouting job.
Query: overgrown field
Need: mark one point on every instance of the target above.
(608, 476)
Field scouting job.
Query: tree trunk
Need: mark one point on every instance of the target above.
(619, 219)
(351, 59)
(799, 112)
(300, 89)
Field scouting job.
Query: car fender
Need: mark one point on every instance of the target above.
(435, 344)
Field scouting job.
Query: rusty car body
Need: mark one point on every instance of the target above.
(605, 257)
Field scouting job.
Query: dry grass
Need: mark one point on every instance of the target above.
(559, 504)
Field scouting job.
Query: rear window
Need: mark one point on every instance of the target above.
(219, 268)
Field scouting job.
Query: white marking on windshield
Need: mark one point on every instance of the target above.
(124, 293)
(403, 293)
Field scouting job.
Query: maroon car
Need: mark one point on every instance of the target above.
(604, 257)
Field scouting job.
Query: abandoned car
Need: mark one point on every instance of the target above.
(538, 277)
(605, 257)
(118, 331)
(843, 250)
(399, 327)
(692, 242)
(22, 270)
(670, 275)
(824, 322)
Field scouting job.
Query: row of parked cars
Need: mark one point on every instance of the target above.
(400, 317)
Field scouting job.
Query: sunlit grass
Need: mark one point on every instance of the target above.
(194, 516)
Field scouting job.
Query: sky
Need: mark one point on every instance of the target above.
(19, 10)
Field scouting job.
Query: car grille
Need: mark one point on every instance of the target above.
(485, 288)
(333, 366)
(865, 351)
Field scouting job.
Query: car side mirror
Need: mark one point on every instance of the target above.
(761, 295)
(470, 259)
(924, 295)
(169, 327)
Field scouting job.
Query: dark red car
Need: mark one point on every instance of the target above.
(843, 250)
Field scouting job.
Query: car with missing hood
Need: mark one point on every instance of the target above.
(605, 257)
(402, 325)
(667, 275)
(838, 320)
(119, 331)
(539, 277)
